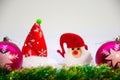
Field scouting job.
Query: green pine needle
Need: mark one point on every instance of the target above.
(86, 72)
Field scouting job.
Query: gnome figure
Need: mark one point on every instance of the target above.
(77, 51)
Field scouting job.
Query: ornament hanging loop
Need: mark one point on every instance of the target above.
(6, 39)
(117, 38)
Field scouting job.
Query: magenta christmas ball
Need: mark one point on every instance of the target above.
(109, 53)
(10, 56)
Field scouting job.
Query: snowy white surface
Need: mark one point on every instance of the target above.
(35, 61)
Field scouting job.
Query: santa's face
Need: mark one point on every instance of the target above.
(77, 56)
(76, 52)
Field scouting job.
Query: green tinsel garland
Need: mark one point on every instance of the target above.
(87, 72)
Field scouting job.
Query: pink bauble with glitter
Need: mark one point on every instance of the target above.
(10, 56)
(109, 53)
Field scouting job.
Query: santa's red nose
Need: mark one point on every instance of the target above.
(75, 52)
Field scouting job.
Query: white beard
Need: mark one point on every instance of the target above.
(70, 60)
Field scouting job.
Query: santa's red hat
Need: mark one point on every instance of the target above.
(35, 44)
(72, 40)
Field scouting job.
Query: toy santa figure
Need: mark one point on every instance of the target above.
(77, 51)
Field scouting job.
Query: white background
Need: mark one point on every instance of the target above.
(96, 21)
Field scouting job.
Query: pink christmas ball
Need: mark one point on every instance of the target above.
(109, 53)
(10, 56)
